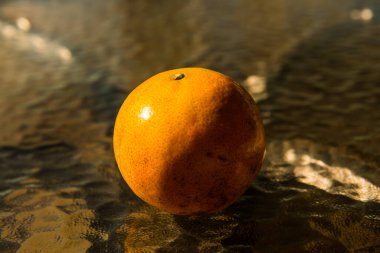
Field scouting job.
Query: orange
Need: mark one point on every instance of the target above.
(189, 141)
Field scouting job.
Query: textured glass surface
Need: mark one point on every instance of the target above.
(313, 66)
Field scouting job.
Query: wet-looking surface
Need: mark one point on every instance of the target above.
(66, 67)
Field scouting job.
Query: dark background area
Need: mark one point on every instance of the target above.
(313, 67)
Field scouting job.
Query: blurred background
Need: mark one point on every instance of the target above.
(312, 65)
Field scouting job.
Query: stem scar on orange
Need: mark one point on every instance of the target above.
(189, 141)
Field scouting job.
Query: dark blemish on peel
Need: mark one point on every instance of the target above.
(209, 154)
(222, 158)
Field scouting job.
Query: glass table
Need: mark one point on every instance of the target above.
(312, 66)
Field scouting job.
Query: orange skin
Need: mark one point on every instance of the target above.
(189, 141)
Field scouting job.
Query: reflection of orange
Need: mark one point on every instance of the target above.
(189, 140)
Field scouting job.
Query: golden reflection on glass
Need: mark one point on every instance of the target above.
(23, 24)
(362, 15)
(256, 86)
(64, 54)
(8, 31)
(39, 43)
(334, 179)
(145, 113)
(19, 37)
(290, 155)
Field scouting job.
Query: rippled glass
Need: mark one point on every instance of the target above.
(312, 66)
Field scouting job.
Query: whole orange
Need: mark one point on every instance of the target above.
(189, 141)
